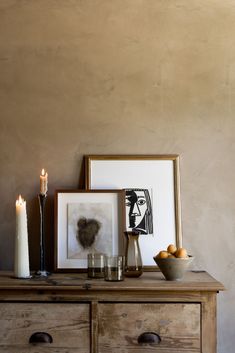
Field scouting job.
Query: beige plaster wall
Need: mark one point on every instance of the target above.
(122, 76)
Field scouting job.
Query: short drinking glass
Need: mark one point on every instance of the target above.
(114, 268)
(95, 265)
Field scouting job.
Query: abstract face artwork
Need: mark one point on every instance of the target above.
(139, 211)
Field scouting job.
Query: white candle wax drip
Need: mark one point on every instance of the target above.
(43, 182)
(21, 266)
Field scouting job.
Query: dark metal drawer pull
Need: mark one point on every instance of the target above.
(149, 338)
(41, 337)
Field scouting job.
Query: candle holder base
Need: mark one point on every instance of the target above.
(41, 274)
(27, 277)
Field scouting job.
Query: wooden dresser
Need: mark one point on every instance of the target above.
(68, 313)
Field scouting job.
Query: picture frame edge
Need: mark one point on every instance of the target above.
(57, 269)
(176, 170)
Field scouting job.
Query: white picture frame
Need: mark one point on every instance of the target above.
(85, 222)
(159, 173)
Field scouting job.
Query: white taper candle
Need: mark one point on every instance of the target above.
(21, 265)
(43, 182)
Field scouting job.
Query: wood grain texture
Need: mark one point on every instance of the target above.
(95, 316)
(68, 324)
(150, 281)
(94, 326)
(120, 325)
(209, 323)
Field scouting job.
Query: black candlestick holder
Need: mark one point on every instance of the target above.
(42, 271)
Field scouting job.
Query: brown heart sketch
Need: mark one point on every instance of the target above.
(87, 231)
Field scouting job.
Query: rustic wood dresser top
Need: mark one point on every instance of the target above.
(149, 281)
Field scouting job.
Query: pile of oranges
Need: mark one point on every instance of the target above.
(171, 252)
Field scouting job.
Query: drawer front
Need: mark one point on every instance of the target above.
(121, 324)
(67, 324)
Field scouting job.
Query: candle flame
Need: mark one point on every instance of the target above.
(43, 172)
(20, 201)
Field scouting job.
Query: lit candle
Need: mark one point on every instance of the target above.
(43, 182)
(21, 266)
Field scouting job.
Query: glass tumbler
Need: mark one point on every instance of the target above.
(95, 265)
(114, 268)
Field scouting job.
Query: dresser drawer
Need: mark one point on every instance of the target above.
(121, 324)
(68, 325)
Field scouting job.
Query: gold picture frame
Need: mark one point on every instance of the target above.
(158, 173)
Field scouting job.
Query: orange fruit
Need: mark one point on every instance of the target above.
(171, 248)
(181, 253)
(162, 254)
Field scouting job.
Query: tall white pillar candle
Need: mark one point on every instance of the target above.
(21, 268)
(43, 182)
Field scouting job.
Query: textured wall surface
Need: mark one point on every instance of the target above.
(122, 76)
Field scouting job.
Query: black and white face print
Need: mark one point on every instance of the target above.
(139, 215)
